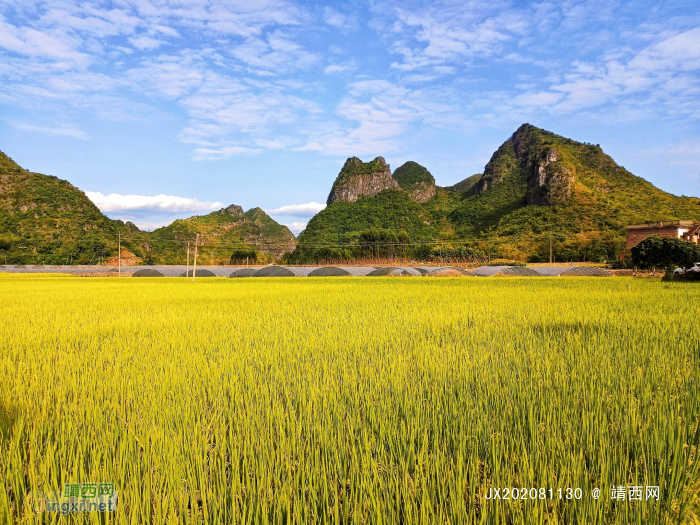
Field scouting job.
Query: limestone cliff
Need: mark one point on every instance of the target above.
(551, 180)
(550, 176)
(361, 178)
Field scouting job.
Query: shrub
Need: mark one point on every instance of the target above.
(504, 262)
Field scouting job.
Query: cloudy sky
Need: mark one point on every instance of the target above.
(163, 109)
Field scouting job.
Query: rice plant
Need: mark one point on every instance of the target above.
(350, 400)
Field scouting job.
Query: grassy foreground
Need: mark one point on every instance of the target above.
(349, 400)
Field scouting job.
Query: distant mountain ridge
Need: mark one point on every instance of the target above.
(536, 186)
(44, 219)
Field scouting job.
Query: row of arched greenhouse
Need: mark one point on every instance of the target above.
(316, 271)
(369, 271)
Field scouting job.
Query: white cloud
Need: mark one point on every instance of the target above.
(339, 68)
(146, 42)
(447, 32)
(311, 146)
(658, 77)
(297, 227)
(270, 144)
(385, 113)
(545, 98)
(222, 153)
(171, 77)
(91, 20)
(148, 226)
(223, 106)
(677, 53)
(334, 18)
(276, 54)
(309, 209)
(34, 43)
(62, 37)
(76, 82)
(114, 202)
(65, 131)
(165, 30)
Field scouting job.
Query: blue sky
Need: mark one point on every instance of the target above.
(164, 109)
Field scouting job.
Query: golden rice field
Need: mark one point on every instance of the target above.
(350, 400)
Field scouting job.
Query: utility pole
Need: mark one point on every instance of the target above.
(187, 273)
(194, 269)
(120, 253)
(550, 246)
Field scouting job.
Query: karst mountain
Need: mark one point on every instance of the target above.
(538, 189)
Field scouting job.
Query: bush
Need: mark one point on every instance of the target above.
(504, 262)
(449, 254)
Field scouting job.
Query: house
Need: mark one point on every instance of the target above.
(686, 230)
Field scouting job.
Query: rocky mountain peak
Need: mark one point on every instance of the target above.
(533, 155)
(233, 210)
(361, 178)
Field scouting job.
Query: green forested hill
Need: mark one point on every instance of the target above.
(47, 220)
(225, 231)
(537, 186)
(342, 222)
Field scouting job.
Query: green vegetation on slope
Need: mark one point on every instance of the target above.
(590, 224)
(7, 165)
(224, 231)
(355, 166)
(343, 223)
(466, 184)
(46, 220)
(411, 174)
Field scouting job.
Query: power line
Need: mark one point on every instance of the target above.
(215, 242)
(203, 240)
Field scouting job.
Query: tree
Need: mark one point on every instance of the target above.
(655, 252)
(681, 253)
(379, 243)
(244, 256)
